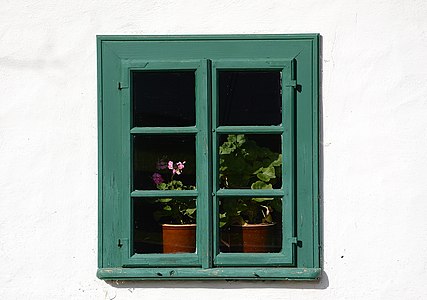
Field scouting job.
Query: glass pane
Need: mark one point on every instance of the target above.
(164, 162)
(164, 98)
(250, 224)
(164, 225)
(250, 98)
(250, 161)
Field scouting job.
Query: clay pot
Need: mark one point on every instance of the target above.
(252, 238)
(179, 238)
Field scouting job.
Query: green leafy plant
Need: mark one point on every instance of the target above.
(173, 210)
(243, 163)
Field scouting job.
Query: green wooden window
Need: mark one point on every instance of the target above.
(214, 134)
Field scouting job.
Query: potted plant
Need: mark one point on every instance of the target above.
(177, 216)
(248, 223)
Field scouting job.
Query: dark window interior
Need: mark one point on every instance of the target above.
(249, 98)
(163, 98)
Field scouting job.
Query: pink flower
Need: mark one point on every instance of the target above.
(180, 165)
(170, 165)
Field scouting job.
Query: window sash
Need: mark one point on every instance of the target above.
(287, 253)
(200, 258)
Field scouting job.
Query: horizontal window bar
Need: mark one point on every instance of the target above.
(250, 64)
(253, 259)
(171, 193)
(209, 274)
(163, 130)
(160, 259)
(250, 129)
(249, 193)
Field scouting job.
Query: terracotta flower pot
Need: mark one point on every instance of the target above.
(252, 238)
(179, 238)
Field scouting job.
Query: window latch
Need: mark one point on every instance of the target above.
(294, 240)
(121, 86)
(292, 83)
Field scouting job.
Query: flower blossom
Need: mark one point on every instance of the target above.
(176, 168)
(161, 165)
(157, 178)
(179, 167)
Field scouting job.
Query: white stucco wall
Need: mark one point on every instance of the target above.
(374, 143)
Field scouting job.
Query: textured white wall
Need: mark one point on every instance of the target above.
(374, 143)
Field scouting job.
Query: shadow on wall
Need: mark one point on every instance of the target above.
(321, 284)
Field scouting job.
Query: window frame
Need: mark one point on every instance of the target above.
(117, 55)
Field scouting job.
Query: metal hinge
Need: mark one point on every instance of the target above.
(121, 86)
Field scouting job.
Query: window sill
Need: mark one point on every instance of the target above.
(209, 274)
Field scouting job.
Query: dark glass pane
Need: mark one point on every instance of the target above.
(250, 98)
(250, 224)
(250, 161)
(164, 162)
(163, 98)
(155, 228)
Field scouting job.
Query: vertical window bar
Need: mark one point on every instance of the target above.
(126, 145)
(288, 166)
(215, 160)
(204, 172)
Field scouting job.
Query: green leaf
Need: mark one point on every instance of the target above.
(164, 200)
(263, 177)
(226, 148)
(277, 162)
(269, 171)
(162, 186)
(231, 138)
(190, 211)
(240, 138)
(268, 219)
(261, 185)
(261, 199)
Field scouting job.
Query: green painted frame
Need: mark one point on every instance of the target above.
(117, 55)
